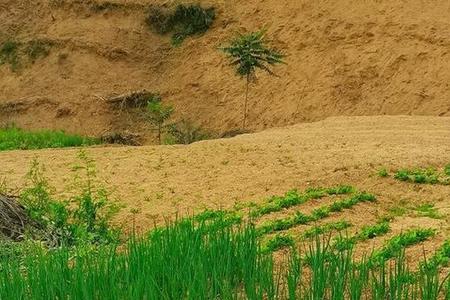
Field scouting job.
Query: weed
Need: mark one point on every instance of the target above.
(279, 241)
(428, 210)
(421, 176)
(37, 49)
(326, 228)
(373, 231)
(9, 54)
(183, 21)
(395, 245)
(83, 219)
(185, 132)
(383, 172)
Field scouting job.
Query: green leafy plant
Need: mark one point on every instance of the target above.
(277, 242)
(158, 114)
(428, 210)
(183, 21)
(248, 53)
(326, 228)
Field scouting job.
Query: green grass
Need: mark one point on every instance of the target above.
(194, 260)
(15, 138)
(428, 210)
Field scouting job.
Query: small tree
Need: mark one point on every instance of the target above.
(248, 52)
(158, 114)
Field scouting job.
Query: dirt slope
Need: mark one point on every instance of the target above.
(344, 58)
(159, 181)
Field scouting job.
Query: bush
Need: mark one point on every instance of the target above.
(80, 220)
(185, 132)
(183, 21)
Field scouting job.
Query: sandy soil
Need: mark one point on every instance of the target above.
(159, 181)
(343, 58)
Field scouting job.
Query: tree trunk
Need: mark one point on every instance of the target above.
(247, 84)
(159, 134)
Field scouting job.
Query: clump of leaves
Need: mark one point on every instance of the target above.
(183, 21)
(279, 241)
(326, 228)
(397, 243)
(248, 53)
(373, 231)
(37, 49)
(383, 172)
(158, 114)
(186, 132)
(9, 54)
(429, 176)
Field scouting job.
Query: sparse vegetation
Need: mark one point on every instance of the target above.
(158, 114)
(81, 220)
(428, 210)
(183, 21)
(185, 132)
(326, 228)
(12, 138)
(249, 53)
(317, 214)
(36, 49)
(9, 54)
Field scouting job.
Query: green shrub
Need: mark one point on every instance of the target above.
(83, 219)
(183, 21)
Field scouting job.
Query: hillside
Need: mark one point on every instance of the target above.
(344, 58)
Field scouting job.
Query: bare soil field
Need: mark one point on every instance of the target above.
(160, 181)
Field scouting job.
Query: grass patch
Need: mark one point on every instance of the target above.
(428, 210)
(183, 21)
(16, 138)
